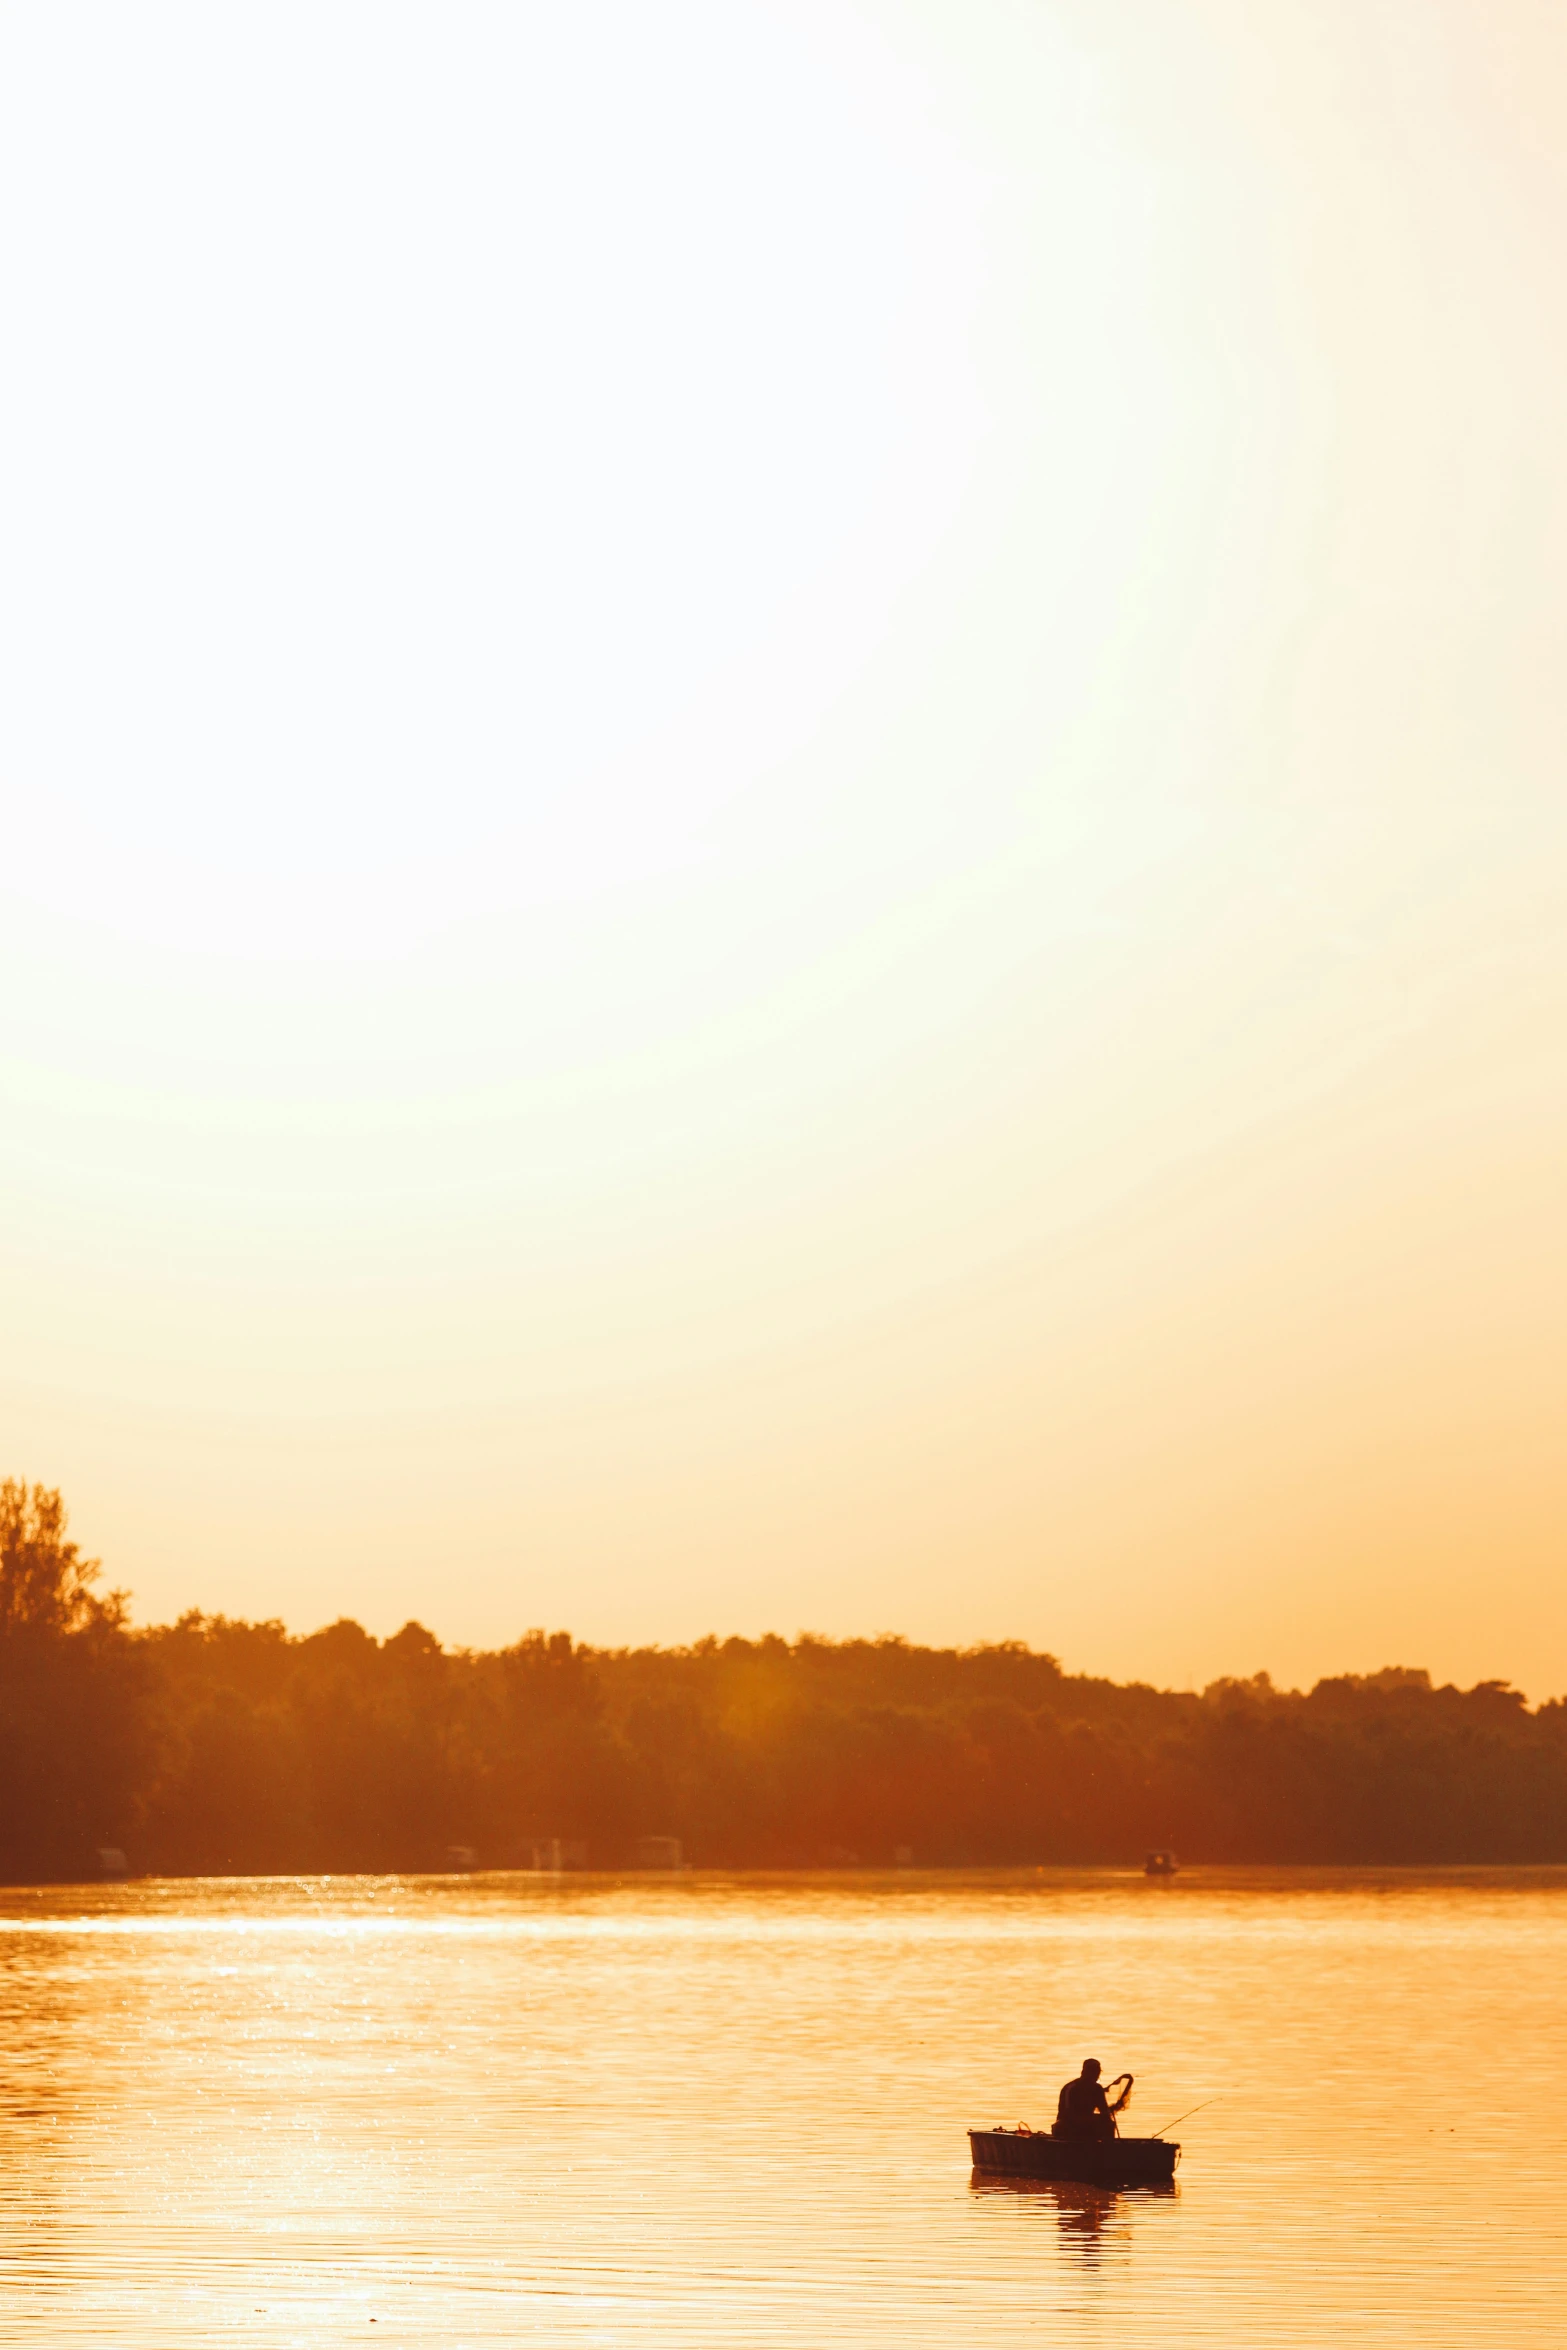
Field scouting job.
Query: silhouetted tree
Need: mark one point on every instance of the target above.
(74, 1727)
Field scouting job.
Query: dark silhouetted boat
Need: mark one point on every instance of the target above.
(1159, 1864)
(1093, 2162)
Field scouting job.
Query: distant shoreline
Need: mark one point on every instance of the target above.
(216, 1747)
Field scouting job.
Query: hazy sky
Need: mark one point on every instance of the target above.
(784, 832)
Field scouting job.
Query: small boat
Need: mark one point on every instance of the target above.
(1159, 1864)
(1093, 2162)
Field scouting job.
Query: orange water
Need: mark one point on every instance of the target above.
(730, 2109)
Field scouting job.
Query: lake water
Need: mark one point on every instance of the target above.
(731, 2109)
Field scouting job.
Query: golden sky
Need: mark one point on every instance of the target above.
(785, 830)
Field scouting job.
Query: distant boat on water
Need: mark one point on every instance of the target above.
(1159, 1864)
(1092, 2162)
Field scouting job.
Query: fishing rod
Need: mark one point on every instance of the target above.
(1187, 2115)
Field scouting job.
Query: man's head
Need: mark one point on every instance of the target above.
(1090, 2068)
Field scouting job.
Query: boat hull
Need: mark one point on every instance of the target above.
(1094, 2162)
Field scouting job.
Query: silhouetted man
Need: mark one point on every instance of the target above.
(1084, 2110)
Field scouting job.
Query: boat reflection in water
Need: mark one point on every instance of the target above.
(1073, 2194)
(1091, 2219)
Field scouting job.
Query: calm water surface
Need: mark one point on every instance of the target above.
(710, 2109)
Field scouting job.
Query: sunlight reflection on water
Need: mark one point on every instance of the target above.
(733, 2109)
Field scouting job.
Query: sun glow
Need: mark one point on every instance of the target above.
(783, 817)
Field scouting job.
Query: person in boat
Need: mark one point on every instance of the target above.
(1085, 2109)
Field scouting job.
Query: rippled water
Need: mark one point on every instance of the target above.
(714, 2109)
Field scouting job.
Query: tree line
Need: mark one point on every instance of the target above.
(214, 1746)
